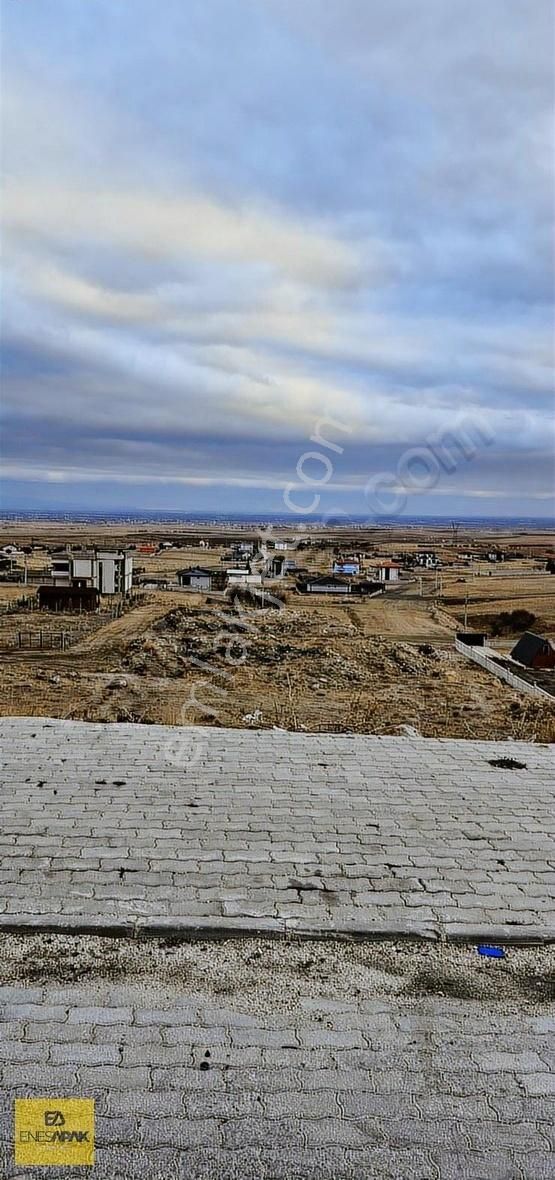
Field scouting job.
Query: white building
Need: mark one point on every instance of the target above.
(386, 571)
(426, 560)
(109, 571)
(237, 577)
(196, 578)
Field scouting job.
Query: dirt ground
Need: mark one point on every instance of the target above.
(373, 667)
(265, 977)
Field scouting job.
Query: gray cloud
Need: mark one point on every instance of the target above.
(311, 210)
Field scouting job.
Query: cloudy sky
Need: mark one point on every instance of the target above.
(228, 220)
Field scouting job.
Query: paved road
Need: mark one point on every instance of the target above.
(200, 1073)
(273, 830)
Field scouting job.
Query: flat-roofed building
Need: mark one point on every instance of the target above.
(106, 570)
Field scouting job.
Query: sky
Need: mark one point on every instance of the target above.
(269, 256)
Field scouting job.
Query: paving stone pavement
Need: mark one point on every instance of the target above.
(377, 1089)
(275, 831)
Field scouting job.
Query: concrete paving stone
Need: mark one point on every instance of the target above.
(87, 1054)
(19, 995)
(178, 1133)
(537, 1084)
(189, 1078)
(364, 1105)
(115, 1077)
(113, 1130)
(465, 1084)
(476, 1165)
(319, 1105)
(170, 1016)
(492, 1061)
(22, 1051)
(254, 1131)
(534, 1165)
(265, 1037)
(150, 1104)
(92, 1014)
(334, 802)
(489, 1137)
(37, 1076)
(37, 1012)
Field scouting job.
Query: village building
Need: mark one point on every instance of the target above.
(108, 571)
(243, 577)
(196, 578)
(275, 567)
(330, 584)
(534, 651)
(427, 560)
(350, 567)
(243, 548)
(386, 571)
(327, 584)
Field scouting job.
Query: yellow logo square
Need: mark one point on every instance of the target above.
(54, 1131)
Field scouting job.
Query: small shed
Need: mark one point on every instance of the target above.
(195, 578)
(534, 651)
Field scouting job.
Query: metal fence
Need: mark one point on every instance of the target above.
(41, 640)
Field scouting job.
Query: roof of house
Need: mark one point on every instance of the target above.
(385, 564)
(327, 580)
(528, 646)
(196, 571)
(87, 554)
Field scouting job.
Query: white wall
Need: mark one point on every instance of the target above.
(480, 656)
(83, 567)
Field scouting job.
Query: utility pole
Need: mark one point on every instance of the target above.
(466, 610)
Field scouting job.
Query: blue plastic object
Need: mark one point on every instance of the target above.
(492, 952)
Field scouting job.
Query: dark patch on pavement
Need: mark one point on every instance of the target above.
(507, 764)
